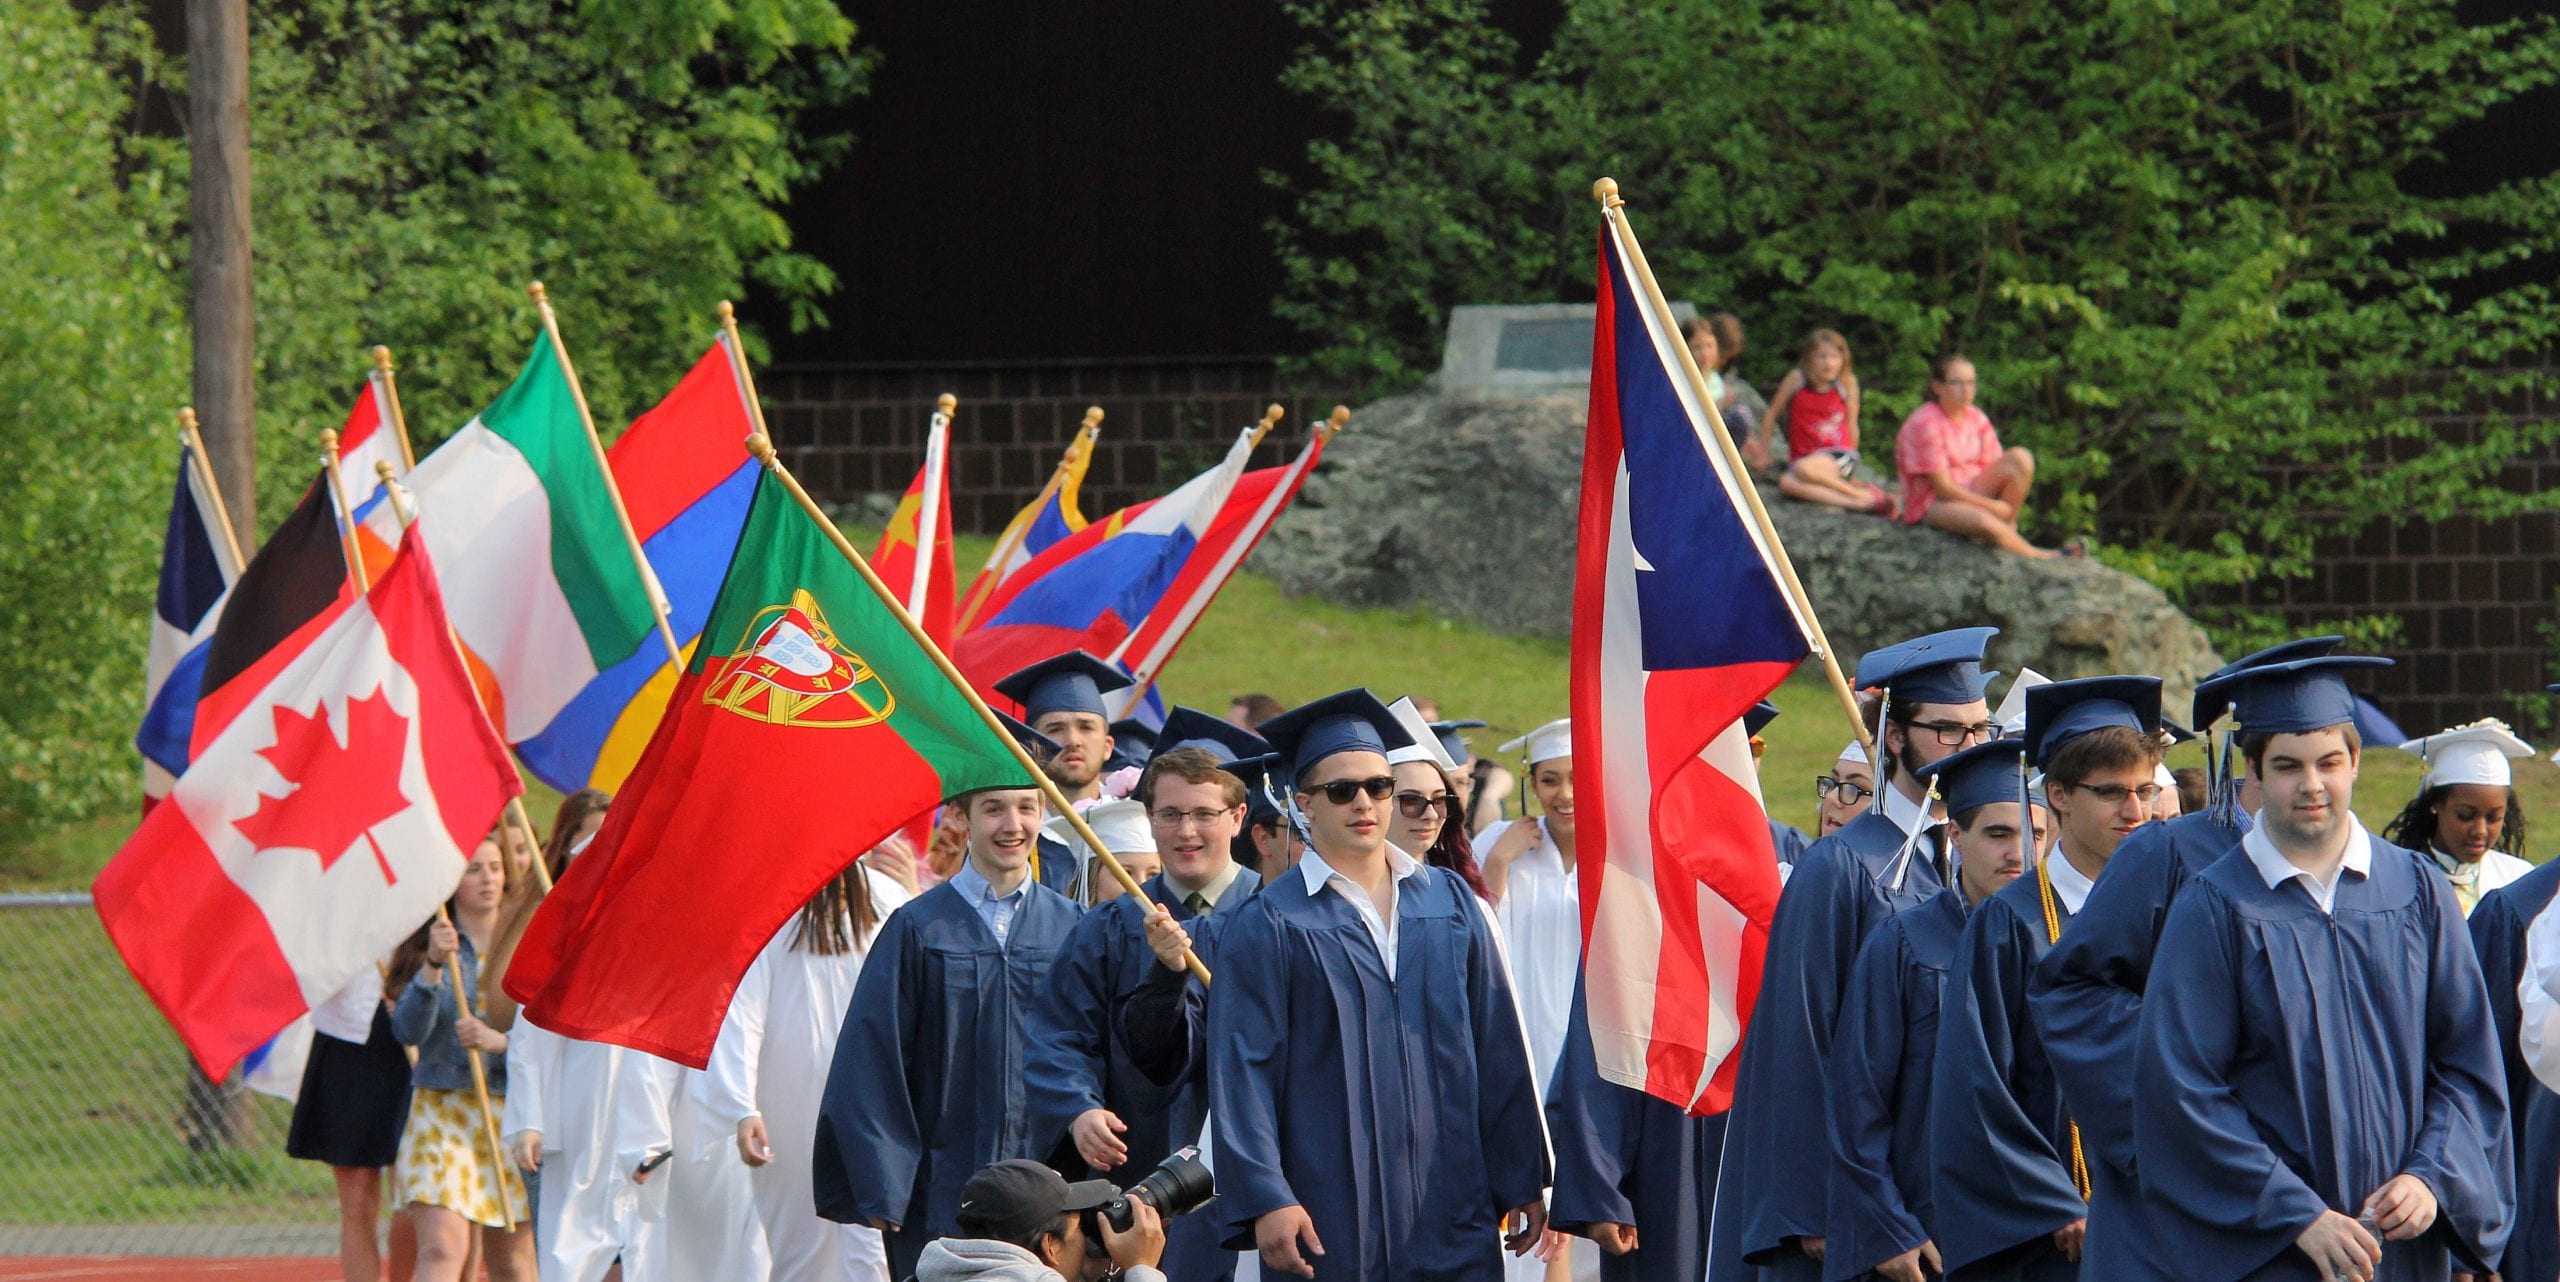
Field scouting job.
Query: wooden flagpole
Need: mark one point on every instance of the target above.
(985, 586)
(453, 973)
(1143, 674)
(658, 604)
(391, 405)
(1613, 210)
(518, 822)
(212, 489)
(761, 445)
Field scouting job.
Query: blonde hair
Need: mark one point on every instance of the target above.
(1820, 337)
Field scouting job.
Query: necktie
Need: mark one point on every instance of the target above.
(1198, 903)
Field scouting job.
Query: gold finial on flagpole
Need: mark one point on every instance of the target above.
(1270, 419)
(946, 404)
(1339, 419)
(1606, 192)
(1093, 416)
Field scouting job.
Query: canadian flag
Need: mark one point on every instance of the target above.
(327, 819)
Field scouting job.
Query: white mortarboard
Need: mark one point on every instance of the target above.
(1547, 742)
(1856, 752)
(1425, 745)
(1122, 825)
(2161, 775)
(2476, 753)
(2012, 714)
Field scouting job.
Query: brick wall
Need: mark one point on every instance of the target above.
(2475, 597)
(853, 430)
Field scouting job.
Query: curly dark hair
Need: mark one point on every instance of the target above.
(2414, 828)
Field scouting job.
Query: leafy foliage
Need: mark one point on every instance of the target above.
(2194, 249)
(414, 164)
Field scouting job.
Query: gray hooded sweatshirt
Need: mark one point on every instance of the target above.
(970, 1259)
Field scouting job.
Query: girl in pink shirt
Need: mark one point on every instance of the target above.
(1955, 475)
(1817, 405)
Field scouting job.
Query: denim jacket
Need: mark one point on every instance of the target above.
(423, 1017)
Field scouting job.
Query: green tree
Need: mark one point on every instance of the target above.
(2188, 245)
(415, 163)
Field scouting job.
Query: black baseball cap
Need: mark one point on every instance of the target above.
(1016, 1198)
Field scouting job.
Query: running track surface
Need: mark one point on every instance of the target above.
(140, 1268)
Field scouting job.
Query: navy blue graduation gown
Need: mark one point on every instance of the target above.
(2498, 927)
(2086, 998)
(927, 1081)
(1789, 840)
(1400, 1113)
(1626, 1157)
(1881, 1203)
(1777, 1168)
(1058, 867)
(2292, 1061)
(1999, 1138)
(1075, 1062)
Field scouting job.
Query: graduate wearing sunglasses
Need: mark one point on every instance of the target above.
(1375, 1114)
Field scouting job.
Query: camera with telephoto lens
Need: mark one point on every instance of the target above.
(1177, 1186)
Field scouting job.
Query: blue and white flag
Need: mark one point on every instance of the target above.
(197, 566)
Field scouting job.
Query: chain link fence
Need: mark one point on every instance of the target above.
(110, 1142)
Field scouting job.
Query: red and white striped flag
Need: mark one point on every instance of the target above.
(1680, 625)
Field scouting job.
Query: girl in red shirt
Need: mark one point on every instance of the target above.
(1817, 404)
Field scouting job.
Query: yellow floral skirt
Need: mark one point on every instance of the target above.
(445, 1160)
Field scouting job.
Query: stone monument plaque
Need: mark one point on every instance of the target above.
(1525, 348)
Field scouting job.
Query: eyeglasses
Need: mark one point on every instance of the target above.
(1955, 733)
(1341, 791)
(1850, 793)
(2114, 794)
(1413, 805)
(1200, 818)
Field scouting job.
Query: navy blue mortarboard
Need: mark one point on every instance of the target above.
(2177, 733)
(1977, 776)
(1040, 746)
(1454, 743)
(1072, 682)
(1352, 721)
(1942, 667)
(1757, 718)
(2210, 707)
(2290, 696)
(2061, 711)
(1133, 742)
(1192, 728)
(1254, 771)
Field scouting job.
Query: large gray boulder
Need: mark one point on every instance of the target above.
(1466, 504)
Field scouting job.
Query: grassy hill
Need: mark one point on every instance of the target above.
(1258, 639)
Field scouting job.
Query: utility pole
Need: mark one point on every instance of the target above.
(217, 1113)
(224, 322)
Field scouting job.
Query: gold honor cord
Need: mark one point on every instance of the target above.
(2052, 936)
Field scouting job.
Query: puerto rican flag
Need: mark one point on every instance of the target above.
(1679, 625)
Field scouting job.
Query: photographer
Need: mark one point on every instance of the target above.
(1022, 1222)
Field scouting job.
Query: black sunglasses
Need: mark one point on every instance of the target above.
(1341, 791)
(1413, 805)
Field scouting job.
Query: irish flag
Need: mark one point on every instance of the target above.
(538, 573)
(808, 726)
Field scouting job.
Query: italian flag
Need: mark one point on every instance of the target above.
(807, 726)
(538, 573)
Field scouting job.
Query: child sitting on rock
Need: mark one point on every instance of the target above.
(1817, 403)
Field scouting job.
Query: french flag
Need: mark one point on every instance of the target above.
(1680, 624)
(197, 566)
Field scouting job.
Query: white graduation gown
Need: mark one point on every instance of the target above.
(602, 1110)
(713, 1229)
(771, 1060)
(1539, 922)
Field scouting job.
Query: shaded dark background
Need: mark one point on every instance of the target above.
(1084, 179)
(1068, 179)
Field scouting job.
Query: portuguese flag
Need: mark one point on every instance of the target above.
(807, 727)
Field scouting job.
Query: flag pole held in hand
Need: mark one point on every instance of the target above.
(762, 447)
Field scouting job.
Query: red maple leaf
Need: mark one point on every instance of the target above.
(340, 792)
